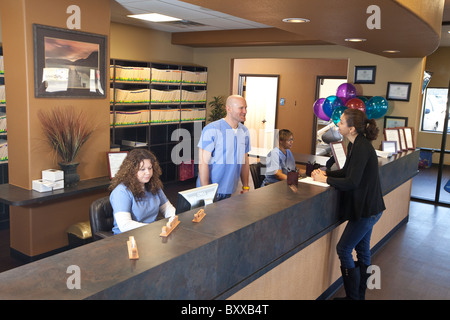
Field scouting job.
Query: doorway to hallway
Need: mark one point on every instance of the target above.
(261, 94)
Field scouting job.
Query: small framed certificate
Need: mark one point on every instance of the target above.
(115, 160)
(409, 138)
(391, 134)
(399, 91)
(389, 146)
(401, 133)
(365, 74)
(339, 153)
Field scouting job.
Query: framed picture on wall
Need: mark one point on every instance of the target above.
(395, 122)
(68, 63)
(365, 74)
(399, 91)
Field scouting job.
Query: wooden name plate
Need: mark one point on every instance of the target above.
(132, 249)
(199, 215)
(168, 228)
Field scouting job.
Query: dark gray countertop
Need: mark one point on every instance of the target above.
(240, 239)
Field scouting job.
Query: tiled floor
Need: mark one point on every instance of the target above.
(415, 263)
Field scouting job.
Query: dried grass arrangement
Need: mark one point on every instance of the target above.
(67, 130)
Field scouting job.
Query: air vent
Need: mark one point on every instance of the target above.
(184, 23)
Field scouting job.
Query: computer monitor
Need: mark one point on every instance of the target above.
(196, 197)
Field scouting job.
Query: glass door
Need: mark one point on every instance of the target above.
(432, 183)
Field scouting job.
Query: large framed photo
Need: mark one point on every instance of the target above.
(399, 91)
(365, 74)
(68, 63)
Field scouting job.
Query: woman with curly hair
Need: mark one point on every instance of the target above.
(137, 196)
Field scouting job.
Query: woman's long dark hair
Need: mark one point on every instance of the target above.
(358, 119)
(129, 168)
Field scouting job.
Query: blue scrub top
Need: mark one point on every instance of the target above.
(277, 160)
(146, 210)
(228, 147)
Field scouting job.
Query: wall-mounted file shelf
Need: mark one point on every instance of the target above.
(149, 101)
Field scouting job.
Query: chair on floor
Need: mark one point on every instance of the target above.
(255, 170)
(101, 218)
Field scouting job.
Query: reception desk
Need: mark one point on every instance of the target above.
(270, 243)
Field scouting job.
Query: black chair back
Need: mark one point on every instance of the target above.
(255, 170)
(101, 218)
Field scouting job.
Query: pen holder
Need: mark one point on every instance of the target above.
(292, 178)
(310, 167)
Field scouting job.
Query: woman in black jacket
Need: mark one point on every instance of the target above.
(361, 198)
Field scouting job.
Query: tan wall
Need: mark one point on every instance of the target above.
(29, 153)
(220, 76)
(297, 85)
(134, 43)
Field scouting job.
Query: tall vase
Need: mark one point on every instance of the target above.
(71, 177)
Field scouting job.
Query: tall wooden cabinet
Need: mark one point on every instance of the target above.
(157, 106)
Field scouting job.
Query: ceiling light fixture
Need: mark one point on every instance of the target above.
(391, 51)
(355, 39)
(153, 17)
(296, 20)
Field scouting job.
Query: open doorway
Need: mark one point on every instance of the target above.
(261, 94)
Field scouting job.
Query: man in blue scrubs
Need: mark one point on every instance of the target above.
(223, 150)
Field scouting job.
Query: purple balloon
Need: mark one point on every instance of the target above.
(318, 109)
(346, 91)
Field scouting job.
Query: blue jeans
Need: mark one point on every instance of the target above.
(356, 236)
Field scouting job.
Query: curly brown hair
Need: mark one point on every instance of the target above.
(129, 168)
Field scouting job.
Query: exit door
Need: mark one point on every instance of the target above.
(261, 94)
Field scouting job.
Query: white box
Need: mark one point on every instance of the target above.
(42, 185)
(52, 175)
(57, 184)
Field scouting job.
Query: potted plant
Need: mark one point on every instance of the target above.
(67, 130)
(218, 110)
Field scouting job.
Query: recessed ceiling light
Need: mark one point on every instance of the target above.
(153, 17)
(355, 39)
(391, 51)
(296, 20)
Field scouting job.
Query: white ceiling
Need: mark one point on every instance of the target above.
(191, 15)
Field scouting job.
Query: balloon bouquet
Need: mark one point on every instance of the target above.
(332, 107)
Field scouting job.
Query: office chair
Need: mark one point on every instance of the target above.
(101, 218)
(255, 170)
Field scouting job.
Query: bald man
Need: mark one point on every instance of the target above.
(223, 150)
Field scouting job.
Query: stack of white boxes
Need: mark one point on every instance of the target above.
(52, 179)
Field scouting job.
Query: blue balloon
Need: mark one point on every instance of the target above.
(376, 107)
(337, 113)
(330, 104)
